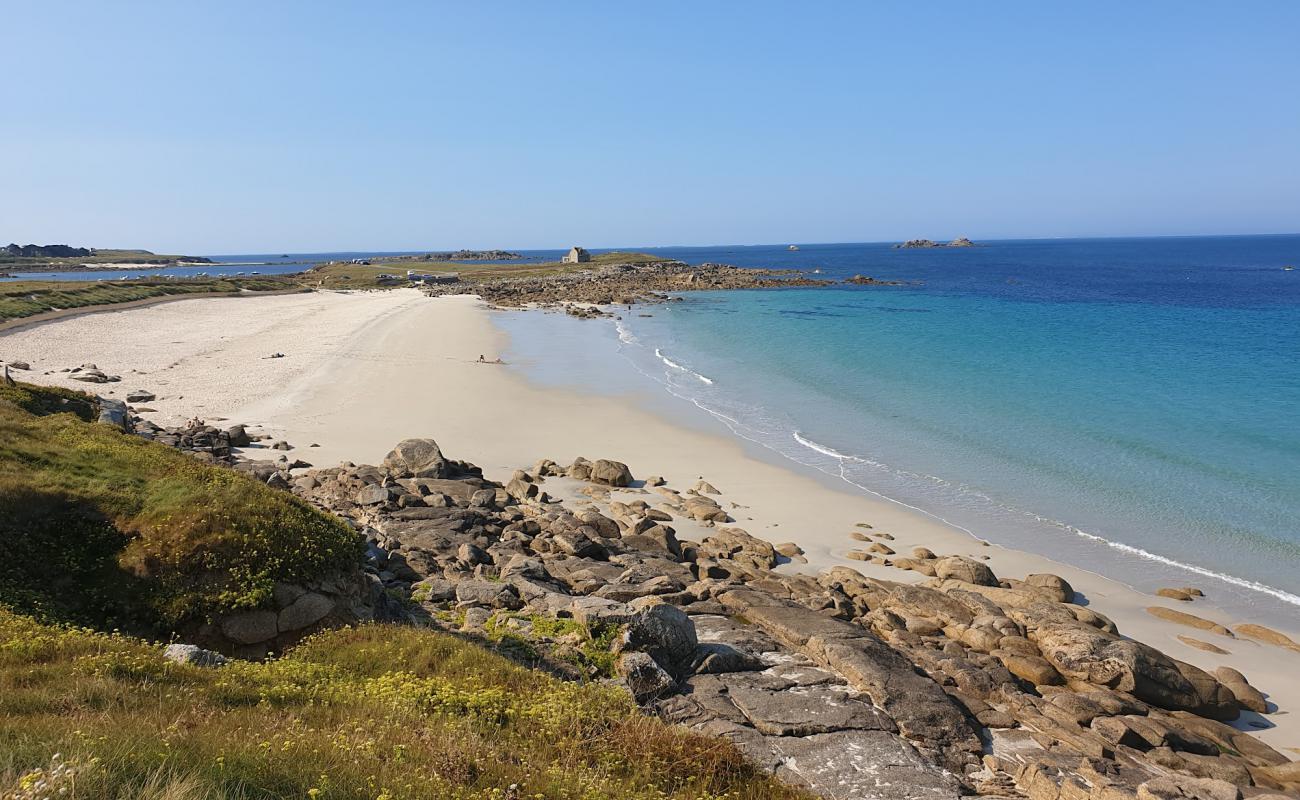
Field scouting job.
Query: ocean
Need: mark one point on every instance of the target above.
(1131, 406)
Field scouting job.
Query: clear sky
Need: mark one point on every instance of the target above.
(230, 126)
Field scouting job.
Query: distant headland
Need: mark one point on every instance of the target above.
(69, 258)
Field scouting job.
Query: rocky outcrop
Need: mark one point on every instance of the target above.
(847, 685)
(624, 284)
(965, 682)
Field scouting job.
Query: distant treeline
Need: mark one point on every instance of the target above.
(47, 251)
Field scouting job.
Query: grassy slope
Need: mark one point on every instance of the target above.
(102, 528)
(341, 275)
(372, 712)
(20, 299)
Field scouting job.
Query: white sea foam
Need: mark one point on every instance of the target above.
(845, 460)
(624, 335)
(823, 449)
(680, 368)
(1129, 549)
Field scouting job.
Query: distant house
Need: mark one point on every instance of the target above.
(576, 256)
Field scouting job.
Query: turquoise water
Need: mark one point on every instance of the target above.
(1124, 405)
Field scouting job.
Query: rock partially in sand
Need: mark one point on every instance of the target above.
(1206, 646)
(861, 537)
(1175, 594)
(1268, 636)
(858, 555)
(1054, 585)
(90, 376)
(140, 396)
(238, 436)
(789, 549)
(20, 365)
(967, 570)
(1191, 620)
(923, 553)
(704, 487)
(610, 473)
(416, 458)
(1247, 695)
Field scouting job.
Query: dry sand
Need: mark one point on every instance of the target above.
(363, 370)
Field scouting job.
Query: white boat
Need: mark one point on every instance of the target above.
(793, 247)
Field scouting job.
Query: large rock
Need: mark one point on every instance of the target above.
(190, 654)
(610, 473)
(113, 412)
(923, 711)
(307, 610)
(1083, 653)
(967, 570)
(663, 631)
(251, 627)
(860, 764)
(416, 458)
(804, 710)
(643, 676)
(1248, 696)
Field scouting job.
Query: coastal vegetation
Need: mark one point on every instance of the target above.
(20, 299)
(109, 530)
(367, 713)
(101, 530)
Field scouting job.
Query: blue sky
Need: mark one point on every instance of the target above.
(248, 127)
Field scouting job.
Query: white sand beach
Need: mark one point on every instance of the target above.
(361, 371)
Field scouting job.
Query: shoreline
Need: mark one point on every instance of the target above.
(365, 370)
(661, 396)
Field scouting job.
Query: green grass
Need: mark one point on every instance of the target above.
(589, 648)
(364, 276)
(364, 713)
(20, 299)
(102, 528)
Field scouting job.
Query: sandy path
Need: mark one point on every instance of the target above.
(362, 371)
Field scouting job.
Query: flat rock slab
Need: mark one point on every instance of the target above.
(793, 626)
(718, 629)
(806, 710)
(854, 765)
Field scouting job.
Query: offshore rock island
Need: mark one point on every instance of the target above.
(914, 244)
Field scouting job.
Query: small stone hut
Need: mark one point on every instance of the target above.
(576, 256)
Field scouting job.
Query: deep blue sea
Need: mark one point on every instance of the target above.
(1127, 405)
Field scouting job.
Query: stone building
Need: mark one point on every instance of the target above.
(576, 256)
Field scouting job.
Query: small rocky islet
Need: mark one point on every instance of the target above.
(850, 686)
